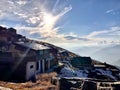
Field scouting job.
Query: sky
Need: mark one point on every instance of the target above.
(66, 23)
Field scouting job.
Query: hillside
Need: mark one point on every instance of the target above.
(32, 58)
(43, 83)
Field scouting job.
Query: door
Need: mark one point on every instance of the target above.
(30, 70)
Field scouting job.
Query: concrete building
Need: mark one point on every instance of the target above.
(20, 58)
(26, 58)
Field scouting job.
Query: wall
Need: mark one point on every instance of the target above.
(30, 70)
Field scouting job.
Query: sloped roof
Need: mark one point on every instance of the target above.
(33, 45)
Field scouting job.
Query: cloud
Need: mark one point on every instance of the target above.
(109, 11)
(105, 36)
(34, 16)
(115, 11)
(111, 31)
(21, 2)
(73, 36)
(95, 33)
(77, 38)
(38, 19)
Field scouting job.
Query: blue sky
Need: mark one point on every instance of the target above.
(91, 15)
(67, 23)
(82, 26)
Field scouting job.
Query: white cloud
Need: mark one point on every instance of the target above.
(113, 11)
(95, 33)
(34, 16)
(22, 2)
(72, 34)
(105, 36)
(109, 11)
(111, 30)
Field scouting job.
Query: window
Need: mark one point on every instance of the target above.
(41, 52)
(31, 66)
(46, 51)
(37, 66)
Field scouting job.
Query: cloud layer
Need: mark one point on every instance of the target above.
(39, 19)
(111, 31)
(34, 16)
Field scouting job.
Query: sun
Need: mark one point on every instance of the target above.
(48, 19)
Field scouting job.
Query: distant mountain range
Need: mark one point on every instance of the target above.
(117, 63)
(109, 53)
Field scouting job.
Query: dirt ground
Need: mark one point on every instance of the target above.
(43, 83)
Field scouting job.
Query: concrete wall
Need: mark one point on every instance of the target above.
(30, 70)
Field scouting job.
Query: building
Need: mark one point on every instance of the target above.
(21, 59)
(42, 60)
(26, 58)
